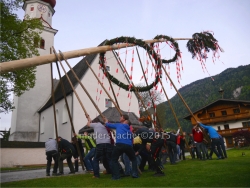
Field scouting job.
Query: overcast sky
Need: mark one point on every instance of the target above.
(83, 24)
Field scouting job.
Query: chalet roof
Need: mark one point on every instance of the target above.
(80, 69)
(113, 116)
(220, 101)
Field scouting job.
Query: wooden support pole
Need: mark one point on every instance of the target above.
(179, 94)
(67, 105)
(11, 66)
(147, 85)
(53, 100)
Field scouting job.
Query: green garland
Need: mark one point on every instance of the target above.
(200, 41)
(175, 45)
(138, 42)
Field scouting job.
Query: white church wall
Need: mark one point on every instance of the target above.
(26, 156)
(63, 127)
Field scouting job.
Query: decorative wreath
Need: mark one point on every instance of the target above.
(173, 44)
(151, 52)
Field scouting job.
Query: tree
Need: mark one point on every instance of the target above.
(17, 42)
(5, 134)
(148, 97)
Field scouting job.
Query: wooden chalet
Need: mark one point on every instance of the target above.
(226, 116)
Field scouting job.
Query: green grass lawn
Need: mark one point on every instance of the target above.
(231, 172)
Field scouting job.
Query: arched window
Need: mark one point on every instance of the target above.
(42, 125)
(42, 43)
(65, 114)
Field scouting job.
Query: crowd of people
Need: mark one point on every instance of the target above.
(135, 147)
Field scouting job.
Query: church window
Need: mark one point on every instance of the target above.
(108, 68)
(42, 125)
(49, 14)
(42, 43)
(65, 114)
(108, 103)
(31, 8)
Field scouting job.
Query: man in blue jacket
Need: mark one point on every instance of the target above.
(124, 144)
(215, 137)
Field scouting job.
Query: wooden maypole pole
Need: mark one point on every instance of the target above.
(11, 66)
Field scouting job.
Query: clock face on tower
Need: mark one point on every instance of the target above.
(42, 8)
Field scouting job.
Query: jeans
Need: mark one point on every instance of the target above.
(138, 160)
(52, 154)
(201, 149)
(88, 159)
(216, 142)
(118, 150)
(182, 148)
(126, 162)
(178, 151)
(68, 157)
(223, 148)
(172, 151)
(100, 151)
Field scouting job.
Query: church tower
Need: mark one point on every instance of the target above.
(25, 118)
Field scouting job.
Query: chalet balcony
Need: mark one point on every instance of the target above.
(229, 117)
(229, 132)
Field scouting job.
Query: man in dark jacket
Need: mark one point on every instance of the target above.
(66, 150)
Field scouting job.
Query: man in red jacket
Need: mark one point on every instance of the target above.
(198, 142)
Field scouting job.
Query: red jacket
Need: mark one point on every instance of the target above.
(198, 136)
